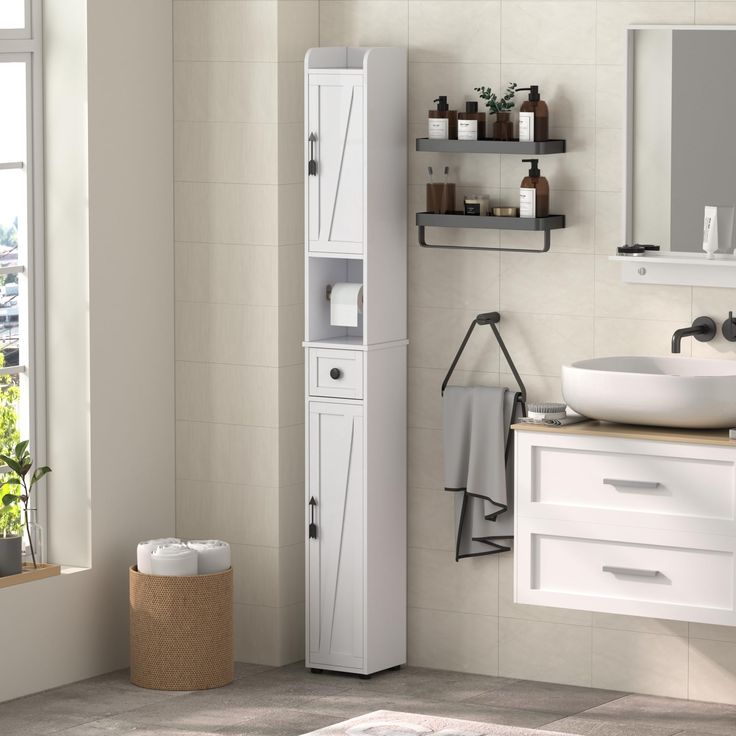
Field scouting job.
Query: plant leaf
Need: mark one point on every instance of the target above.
(20, 449)
(12, 463)
(39, 473)
(9, 499)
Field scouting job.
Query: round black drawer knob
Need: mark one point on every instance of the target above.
(335, 373)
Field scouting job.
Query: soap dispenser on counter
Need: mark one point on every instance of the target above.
(442, 122)
(534, 192)
(533, 116)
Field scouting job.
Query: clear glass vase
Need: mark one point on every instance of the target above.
(33, 533)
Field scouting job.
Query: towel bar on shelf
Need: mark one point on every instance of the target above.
(459, 220)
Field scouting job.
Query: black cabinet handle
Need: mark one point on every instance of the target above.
(312, 525)
(312, 167)
(335, 373)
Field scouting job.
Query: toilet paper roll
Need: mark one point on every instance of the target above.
(213, 555)
(346, 303)
(174, 559)
(143, 556)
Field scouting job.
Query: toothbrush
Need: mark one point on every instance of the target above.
(431, 174)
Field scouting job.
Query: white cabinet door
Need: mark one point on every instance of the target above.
(335, 192)
(335, 557)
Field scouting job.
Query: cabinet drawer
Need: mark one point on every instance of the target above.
(631, 482)
(628, 571)
(336, 373)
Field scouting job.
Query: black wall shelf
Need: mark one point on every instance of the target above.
(451, 146)
(533, 224)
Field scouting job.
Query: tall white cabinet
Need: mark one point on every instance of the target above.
(355, 159)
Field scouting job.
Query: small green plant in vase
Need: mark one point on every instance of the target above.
(21, 464)
(503, 128)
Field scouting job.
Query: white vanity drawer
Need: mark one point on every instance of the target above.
(336, 373)
(640, 572)
(621, 481)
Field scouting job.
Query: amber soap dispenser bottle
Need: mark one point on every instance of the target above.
(534, 192)
(533, 116)
(442, 122)
(471, 124)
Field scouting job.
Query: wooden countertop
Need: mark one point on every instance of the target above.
(636, 432)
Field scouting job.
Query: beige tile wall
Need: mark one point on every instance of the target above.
(239, 296)
(558, 307)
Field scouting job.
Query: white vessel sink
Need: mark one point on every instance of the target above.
(665, 392)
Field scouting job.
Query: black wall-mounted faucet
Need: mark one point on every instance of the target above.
(703, 329)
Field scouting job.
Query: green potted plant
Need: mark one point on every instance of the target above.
(21, 464)
(11, 538)
(503, 128)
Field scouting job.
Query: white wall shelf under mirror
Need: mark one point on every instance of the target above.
(679, 269)
(679, 142)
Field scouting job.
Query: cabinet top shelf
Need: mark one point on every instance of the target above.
(488, 146)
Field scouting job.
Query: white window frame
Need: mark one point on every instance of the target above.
(26, 45)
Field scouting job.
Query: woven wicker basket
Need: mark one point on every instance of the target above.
(181, 631)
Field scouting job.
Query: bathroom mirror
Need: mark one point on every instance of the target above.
(680, 133)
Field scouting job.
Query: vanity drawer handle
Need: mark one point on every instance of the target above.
(642, 484)
(335, 373)
(630, 571)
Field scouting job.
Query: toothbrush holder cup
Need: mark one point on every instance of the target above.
(441, 199)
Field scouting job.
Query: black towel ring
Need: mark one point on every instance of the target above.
(491, 319)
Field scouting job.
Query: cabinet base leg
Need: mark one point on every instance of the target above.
(395, 668)
(316, 671)
(365, 677)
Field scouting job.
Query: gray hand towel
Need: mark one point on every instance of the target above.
(476, 430)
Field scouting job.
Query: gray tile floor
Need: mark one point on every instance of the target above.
(288, 701)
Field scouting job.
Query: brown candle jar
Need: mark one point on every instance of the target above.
(503, 127)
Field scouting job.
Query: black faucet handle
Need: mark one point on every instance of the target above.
(728, 328)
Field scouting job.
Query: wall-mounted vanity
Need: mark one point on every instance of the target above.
(680, 152)
(628, 520)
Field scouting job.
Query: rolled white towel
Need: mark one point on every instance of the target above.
(173, 559)
(145, 549)
(213, 555)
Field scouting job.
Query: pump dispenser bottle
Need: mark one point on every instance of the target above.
(471, 124)
(442, 122)
(534, 192)
(533, 116)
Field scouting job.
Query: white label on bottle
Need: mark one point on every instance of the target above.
(467, 130)
(526, 127)
(438, 128)
(527, 202)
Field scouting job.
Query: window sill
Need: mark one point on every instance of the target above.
(31, 575)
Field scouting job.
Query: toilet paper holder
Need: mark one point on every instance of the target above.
(328, 292)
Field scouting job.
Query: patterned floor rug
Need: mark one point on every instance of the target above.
(391, 723)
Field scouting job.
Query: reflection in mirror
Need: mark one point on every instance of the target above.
(681, 135)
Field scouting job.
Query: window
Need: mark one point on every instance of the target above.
(22, 395)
